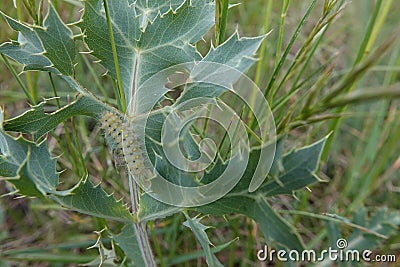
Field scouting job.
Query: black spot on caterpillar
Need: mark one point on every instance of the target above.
(122, 139)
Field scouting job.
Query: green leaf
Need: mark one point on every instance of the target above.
(199, 231)
(28, 50)
(369, 232)
(292, 175)
(26, 165)
(299, 168)
(167, 41)
(236, 53)
(298, 171)
(148, 10)
(93, 200)
(274, 227)
(32, 171)
(50, 48)
(106, 257)
(152, 209)
(38, 48)
(23, 183)
(127, 240)
(58, 42)
(36, 122)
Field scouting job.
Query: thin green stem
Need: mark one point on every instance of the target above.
(221, 15)
(328, 217)
(308, 50)
(365, 46)
(19, 9)
(68, 139)
(368, 38)
(285, 8)
(83, 170)
(262, 57)
(156, 244)
(31, 7)
(115, 56)
(250, 242)
(96, 79)
(116, 93)
(270, 87)
(18, 79)
(53, 87)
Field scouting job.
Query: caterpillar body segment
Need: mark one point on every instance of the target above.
(124, 141)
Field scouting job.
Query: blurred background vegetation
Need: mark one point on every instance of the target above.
(361, 168)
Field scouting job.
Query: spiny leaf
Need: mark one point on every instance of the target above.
(298, 172)
(148, 10)
(35, 121)
(93, 200)
(291, 176)
(274, 227)
(32, 171)
(199, 231)
(299, 168)
(106, 257)
(141, 52)
(236, 53)
(26, 165)
(51, 48)
(28, 50)
(23, 183)
(151, 209)
(127, 240)
(58, 42)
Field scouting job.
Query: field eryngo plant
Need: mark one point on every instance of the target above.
(167, 94)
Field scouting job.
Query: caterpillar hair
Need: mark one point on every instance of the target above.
(122, 139)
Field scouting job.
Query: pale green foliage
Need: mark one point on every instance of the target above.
(141, 51)
(199, 231)
(50, 47)
(149, 37)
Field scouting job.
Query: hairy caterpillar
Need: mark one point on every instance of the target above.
(123, 140)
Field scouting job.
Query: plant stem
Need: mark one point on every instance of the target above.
(142, 237)
(141, 233)
(262, 57)
(115, 56)
(144, 243)
(18, 79)
(364, 48)
(281, 29)
(221, 14)
(133, 189)
(32, 11)
(96, 79)
(75, 154)
(270, 90)
(156, 244)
